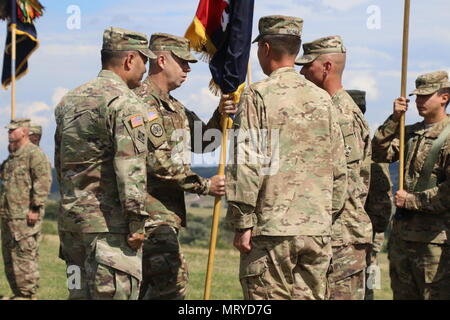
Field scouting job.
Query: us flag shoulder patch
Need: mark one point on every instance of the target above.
(152, 115)
(136, 121)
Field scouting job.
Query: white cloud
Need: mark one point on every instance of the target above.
(58, 94)
(365, 52)
(38, 112)
(362, 81)
(205, 103)
(70, 50)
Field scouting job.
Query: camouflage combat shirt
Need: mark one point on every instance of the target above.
(101, 144)
(169, 171)
(379, 203)
(26, 178)
(352, 224)
(430, 221)
(287, 160)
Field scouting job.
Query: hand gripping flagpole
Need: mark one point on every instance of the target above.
(13, 57)
(218, 201)
(403, 92)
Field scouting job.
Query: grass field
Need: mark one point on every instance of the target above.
(225, 284)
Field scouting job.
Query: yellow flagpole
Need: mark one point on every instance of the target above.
(13, 74)
(403, 92)
(218, 201)
(217, 209)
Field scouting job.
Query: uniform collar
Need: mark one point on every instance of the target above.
(152, 88)
(21, 150)
(283, 70)
(108, 74)
(434, 131)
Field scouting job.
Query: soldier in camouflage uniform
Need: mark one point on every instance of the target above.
(35, 133)
(26, 180)
(379, 204)
(286, 169)
(101, 145)
(165, 273)
(419, 241)
(324, 63)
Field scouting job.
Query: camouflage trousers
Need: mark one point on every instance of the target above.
(372, 262)
(20, 249)
(100, 266)
(164, 268)
(346, 276)
(419, 271)
(286, 268)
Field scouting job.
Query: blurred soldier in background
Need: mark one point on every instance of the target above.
(379, 205)
(35, 133)
(26, 180)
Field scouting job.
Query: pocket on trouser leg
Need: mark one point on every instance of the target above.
(254, 285)
(118, 270)
(26, 265)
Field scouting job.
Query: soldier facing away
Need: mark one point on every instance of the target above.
(379, 204)
(418, 246)
(165, 273)
(324, 63)
(287, 161)
(101, 144)
(26, 178)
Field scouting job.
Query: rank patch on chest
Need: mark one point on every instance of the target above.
(348, 150)
(141, 136)
(136, 121)
(152, 115)
(157, 130)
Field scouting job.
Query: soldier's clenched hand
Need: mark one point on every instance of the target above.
(227, 105)
(217, 188)
(32, 218)
(135, 240)
(400, 198)
(400, 106)
(242, 241)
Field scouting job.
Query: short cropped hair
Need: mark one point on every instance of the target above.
(112, 57)
(283, 44)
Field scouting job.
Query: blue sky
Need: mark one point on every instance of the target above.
(67, 58)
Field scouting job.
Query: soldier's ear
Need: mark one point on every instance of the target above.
(161, 61)
(129, 60)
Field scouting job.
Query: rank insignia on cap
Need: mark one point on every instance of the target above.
(152, 115)
(136, 121)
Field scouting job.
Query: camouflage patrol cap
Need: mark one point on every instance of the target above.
(359, 97)
(312, 50)
(429, 83)
(18, 123)
(35, 129)
(273, 25)
(179, 46)
(117, 39)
